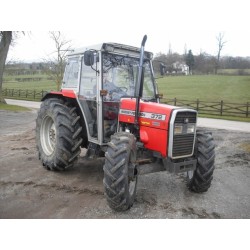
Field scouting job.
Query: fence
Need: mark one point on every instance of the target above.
(24, 94)
(220, 108)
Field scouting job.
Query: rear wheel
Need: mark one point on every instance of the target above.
(120, 178)
(200, 179)
(58, 134)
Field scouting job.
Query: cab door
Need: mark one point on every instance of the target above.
(88, 99)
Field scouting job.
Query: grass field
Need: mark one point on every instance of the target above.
(234, 71)
(205, 88)
(235, 89)
(38, 85)
(208, 88)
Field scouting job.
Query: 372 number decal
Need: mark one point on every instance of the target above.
(156, 116)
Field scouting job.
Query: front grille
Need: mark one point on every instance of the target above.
(183, 144)
(182, 116)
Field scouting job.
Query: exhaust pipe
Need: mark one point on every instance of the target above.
(139, 83)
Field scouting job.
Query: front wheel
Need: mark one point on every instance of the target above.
(200, 179)
(120, 178)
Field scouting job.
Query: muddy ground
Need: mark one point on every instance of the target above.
(27, 190)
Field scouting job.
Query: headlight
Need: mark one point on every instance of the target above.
(184, 129)
(178, 129)
(190, 128)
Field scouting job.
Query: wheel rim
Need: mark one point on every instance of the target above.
(132, 181)
(190, 174)
(131, 188)
(48, 135)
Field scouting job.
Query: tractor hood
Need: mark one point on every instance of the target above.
(152, 114)
(157, 125)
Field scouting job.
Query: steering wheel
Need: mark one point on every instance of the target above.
(118, 90)
(123, 89)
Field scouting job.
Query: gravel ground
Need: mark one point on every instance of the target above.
(27, 190)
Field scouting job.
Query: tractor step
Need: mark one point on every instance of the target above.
(94, 151)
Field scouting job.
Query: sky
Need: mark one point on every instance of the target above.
(37, 45)
(192, 24)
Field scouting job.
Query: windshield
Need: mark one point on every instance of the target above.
(120, 75)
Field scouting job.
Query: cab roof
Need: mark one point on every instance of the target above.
(112, 47)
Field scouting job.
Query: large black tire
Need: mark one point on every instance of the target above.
(120, 178)
(200, 180)
(58, 134)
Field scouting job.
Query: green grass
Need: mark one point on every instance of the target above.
(234, 71)
(208, 88)
(234, 89)
(38, 85)
(13, 77)
(205, 87)
(12, 107)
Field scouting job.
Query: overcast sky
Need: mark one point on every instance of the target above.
(194, 24)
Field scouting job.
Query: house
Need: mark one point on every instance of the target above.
(177, 68)
(180, 68)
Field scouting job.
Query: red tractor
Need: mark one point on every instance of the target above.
(109, 103)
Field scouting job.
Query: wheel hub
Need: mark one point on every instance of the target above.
(48, 135)
(190, 174)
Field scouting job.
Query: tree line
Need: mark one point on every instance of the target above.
(202, 63)
(34, 68)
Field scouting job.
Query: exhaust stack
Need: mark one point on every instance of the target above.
(140, 79)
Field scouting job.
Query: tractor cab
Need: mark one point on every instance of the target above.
(100, 76)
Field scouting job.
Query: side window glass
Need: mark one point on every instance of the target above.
(88, 82)
(148, 87)
(70, 79)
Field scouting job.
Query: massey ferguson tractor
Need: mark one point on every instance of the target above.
(109, 103)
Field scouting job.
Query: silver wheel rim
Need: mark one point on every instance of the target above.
(48, 135)
(132, 187)
(190, 174)
(132, 181)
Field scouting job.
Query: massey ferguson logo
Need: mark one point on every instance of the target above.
(148, 115)
(127, 112)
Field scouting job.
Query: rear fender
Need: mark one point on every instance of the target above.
(70, 96)
(64, 93)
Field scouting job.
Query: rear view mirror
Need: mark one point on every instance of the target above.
(88, 58)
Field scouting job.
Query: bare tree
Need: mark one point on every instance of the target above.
(6, 38)
(58, 60)
(221, 43)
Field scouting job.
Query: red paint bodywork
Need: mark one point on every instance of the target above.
(153, 132)
(64, 92)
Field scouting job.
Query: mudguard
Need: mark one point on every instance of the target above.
(64, 93)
